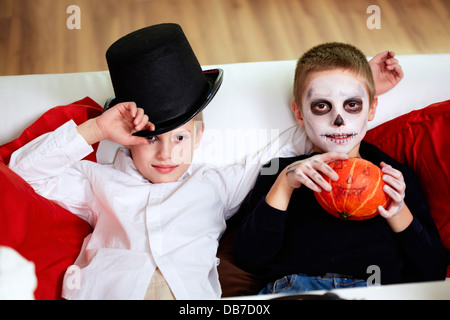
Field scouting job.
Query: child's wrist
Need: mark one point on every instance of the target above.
(280, 194)
(90, 131)
(401, 220)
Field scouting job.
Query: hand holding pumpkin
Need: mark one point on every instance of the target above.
(307, 172)
(303, 172)
(395, 188)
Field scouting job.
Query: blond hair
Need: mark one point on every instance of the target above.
(198, 122)
(329, 56)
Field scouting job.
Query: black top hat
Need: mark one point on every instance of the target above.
(156, 68)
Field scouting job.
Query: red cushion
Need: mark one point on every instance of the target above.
(78, 111)
(40, 230)
(419, 139)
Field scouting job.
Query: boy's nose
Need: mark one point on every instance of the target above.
(338, 121)
(164, 151)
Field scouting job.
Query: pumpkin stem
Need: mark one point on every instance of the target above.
(344, 215)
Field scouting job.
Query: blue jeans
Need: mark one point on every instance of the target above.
(299, 283)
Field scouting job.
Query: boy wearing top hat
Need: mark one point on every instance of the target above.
(156, 217)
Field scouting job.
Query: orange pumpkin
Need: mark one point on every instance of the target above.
(358, 192)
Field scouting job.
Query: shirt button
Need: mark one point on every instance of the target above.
(155, 200)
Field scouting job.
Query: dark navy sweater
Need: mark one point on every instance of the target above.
(306, 239)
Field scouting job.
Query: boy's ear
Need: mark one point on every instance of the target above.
(373, 108)
(297, 113)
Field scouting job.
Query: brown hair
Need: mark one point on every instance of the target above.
(329, 56)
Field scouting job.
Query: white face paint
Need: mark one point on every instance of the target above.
(336, 111)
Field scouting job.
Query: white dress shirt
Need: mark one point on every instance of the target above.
(139, 226)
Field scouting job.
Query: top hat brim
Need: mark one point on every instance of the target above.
(214, 78)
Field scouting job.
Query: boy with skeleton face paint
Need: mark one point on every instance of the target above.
(335, 111)
(288, 236)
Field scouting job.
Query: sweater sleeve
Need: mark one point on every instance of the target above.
(261, 234)
(260, 237)
(420, 244)
(424, 254)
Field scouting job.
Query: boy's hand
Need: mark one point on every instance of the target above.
(117, 124)
(395, 188)
(397, 213)
(387, 72)
(304, 172)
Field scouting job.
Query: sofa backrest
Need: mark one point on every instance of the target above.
(250, 109)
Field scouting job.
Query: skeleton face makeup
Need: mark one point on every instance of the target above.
(335, 111)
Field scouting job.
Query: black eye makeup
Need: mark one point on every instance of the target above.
(353, 105)
(320, 107)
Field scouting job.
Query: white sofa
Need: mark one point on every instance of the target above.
(251, 108)
(253, 99)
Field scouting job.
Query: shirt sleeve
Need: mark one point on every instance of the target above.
(239, 180)
(51, 165)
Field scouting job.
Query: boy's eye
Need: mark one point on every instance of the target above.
(179, 138)
(320, 107)
(354, 106)
(152, 139)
